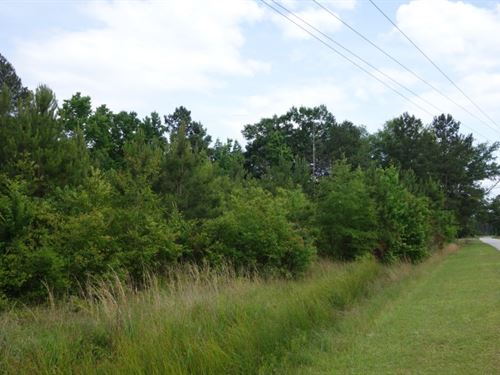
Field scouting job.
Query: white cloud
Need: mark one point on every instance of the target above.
(341, 4)
(279, 99)
(463, 34)
(140, 47)
(462, 38)
(318, 18)
(337, 95)
(333, 4)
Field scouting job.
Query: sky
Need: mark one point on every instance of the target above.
(233, 62)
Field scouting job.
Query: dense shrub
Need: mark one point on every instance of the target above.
(27, 257)
(300, 210)
(254, 231)
(346, 214)
(118, 228)
(403, 219)
(85, 193)
(444, 223)
(445, 227)
(83, 232)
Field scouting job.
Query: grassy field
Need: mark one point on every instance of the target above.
(444, 320)
(438, 317)
(200, 321)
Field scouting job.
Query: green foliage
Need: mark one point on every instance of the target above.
(293, 137)
(27, 257)
(187, 179)
(37, 147)
(299, 208)
(254, 231)
(11, 81)
(194, 131)
(202, 321)
(403, 218)
(82, 235)
(83, 232)
(87, 192)
(443, 223)
(405, 143)
(440, 152)
(346, 214)
(118, 228)
(229, 159)
(491, 220)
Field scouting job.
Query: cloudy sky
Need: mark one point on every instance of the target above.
(232, 62)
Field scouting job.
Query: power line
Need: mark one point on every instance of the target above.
(493, 187)
(357, 56)
(403, 66)
(433, 63)
(347, 58)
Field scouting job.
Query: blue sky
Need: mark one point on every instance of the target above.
(232, 62)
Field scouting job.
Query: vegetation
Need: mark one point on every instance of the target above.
(138, 245)
(195, 320)
(87, 193)
(361, 316)
(444, 319)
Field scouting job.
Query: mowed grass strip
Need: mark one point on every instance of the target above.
(445, 320)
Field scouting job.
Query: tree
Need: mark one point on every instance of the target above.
(27, 256)
(403, 219)
(493, 216)
(75, 113)
(254, 232)
(106, 133)
(38, 148)
(460, 166)
(346, 214)
(187, 178)
(195, 132)
(229, 158)
(303, 134)
(406, 143)
(9, 79)
(440, 152)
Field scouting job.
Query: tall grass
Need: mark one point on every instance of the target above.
(191, 321)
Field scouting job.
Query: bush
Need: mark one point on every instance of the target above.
(105, 230)
(88, 231)
(254, 231)
(27, 258)
(346, 214)
(446, 227)
(299, 210)
(403, 219)
(82, 232)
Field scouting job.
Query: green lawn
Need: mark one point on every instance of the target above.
(445, 320)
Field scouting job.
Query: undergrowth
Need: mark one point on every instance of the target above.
(191, 321)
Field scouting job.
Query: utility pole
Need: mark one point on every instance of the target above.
(314, 158)
(314, 151)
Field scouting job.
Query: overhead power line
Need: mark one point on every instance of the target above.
(434, 64)
(326, 44)
(412, 72)
(493, 187)
(357, 56)
(329, 46)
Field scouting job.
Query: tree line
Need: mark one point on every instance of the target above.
(87, 192)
